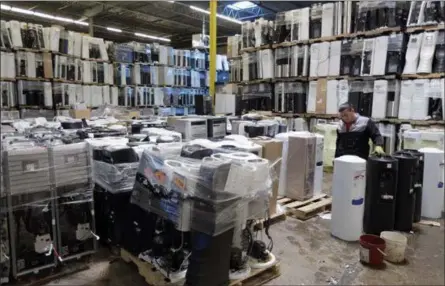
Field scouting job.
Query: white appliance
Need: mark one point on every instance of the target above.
(433, 183)
(323, 59)
(379, 56)
(419, 103)
(327, 20)
(329, 132)
(240, 145)
(406, 96)
(155, 133)
(332, 101)
(191, 128)
(312, 97)
(427, 52)
(348, 197)
(429, 138)
(313, 65)
(367, 57)
(318, 176)
(216, 127)
(412, 53)
(334, 58)
(380, 98)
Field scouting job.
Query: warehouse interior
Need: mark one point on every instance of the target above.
(222, 143)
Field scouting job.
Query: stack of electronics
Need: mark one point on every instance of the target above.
(195, 194)
(114, 169)
(48, 200)
(425, 53)
(374, 15)
(423, 13)
(289, 97)
(421, 99)
(257, 96)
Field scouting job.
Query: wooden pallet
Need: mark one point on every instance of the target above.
(307, 209)
(154, 277)
(275, 218)
(259, 276)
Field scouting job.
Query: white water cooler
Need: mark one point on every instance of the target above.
(348, 197)
(433, 183)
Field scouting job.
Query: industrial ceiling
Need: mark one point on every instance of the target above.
(175, 20)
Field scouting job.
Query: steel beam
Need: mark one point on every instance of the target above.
(212, 59)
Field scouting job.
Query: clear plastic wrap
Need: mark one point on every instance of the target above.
(48, 194)
(203, 190)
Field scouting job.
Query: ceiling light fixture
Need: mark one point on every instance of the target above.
(217, 15)
(41, 15)
(152, 37)
(114, 30)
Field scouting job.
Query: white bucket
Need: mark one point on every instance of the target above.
(395, 246)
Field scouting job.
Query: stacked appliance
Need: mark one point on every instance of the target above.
(27, 181)
(74, 206)
(114, 170)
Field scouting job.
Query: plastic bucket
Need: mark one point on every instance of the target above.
(372, 249)
(395, 246)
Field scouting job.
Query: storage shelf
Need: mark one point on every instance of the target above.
(423, 76)
(436, 27)
(32, 78)
(7, 79)
(371, 77)
(382, 120)
(254, 49)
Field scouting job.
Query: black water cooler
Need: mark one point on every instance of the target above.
(380, 200)
(418, 183)
(405, 191)
(213, 222)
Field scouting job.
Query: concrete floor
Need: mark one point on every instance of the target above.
(309, 256)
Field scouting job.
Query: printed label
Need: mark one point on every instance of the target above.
(179, 182)
(364, 254)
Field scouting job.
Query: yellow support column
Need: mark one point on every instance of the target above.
(212, 59)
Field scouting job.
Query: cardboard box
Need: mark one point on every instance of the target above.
(272, 151)
(80, 113)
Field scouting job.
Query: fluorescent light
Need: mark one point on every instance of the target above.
(114, 30)
(23, 11)
(41, 15)
(217, 15)
(199, 10)
(152, 37)
(81, 23)
(171, 1)
(5, 7)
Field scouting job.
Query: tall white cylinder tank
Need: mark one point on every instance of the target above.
(348, 196)
(433, 183)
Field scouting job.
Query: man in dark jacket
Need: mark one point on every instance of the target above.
(354, 132)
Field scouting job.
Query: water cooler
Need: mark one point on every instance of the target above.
(348, 195)
(405, 191)
(213, 222)
(27, 181)
(380, 201)
(433, 183)
(74, 203)
(418, 183)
